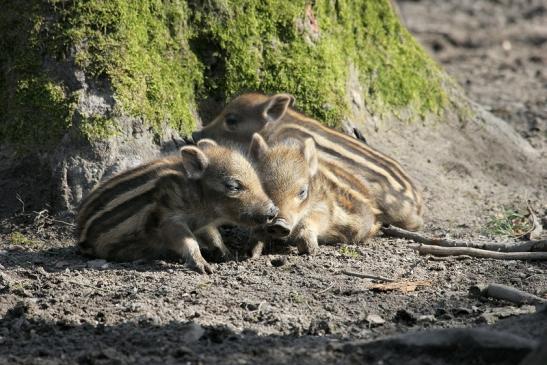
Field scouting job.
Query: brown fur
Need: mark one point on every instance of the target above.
(164, 208)
(330, 212)
(399, 201)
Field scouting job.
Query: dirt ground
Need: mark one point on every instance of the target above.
(58, 307)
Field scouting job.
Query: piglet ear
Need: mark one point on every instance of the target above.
(276, 107)
(310, 154)
(258, 147)
(194, 161)
(292, 99)
(206, 143)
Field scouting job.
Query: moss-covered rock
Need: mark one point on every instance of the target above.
(293, 47)
(160, 56)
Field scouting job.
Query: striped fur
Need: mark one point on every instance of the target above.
(397, 198)
(169, 207)
(337, 208)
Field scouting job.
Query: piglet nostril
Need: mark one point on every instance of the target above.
(279, 229)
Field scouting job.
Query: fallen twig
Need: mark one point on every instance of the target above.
(475, 252)
(326, 289)
(538, 245)
(499, 291)
(43, 214)
(366, 276)
(18, 197)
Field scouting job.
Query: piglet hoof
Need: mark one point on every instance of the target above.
(199, 265)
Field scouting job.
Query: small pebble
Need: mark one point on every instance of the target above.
(429, 318)
(406, 317)
(60, 264)
(461, 311)
(278, 261)
(97, 264)
(375, 320)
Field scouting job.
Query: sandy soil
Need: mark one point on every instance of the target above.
(57, 307)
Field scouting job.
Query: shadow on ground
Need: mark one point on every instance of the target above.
(26, 340)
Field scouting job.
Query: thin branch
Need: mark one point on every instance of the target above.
(326, 289)
(18, 197)
(539, 245)
(366, 276)
(476, 252)
(43, 214)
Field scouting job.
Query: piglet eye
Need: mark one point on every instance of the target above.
(231, 121)
(233, 186)
(303, 194)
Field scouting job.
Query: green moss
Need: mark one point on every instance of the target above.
(509, 222)
(260, 45)
(349, 251)
(257, 45)
(98, 127)
(35, 108)
(141, 48)
(159, 56)
(17, 238)
(41, 112)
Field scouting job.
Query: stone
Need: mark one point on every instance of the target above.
(405, 317)
(97, 264)
(375, 320)
(320, 327)
(279, 261)
(428, 318)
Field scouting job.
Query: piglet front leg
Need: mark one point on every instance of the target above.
(306, 240)
(179, 239)
(256, 243)
(211, 239)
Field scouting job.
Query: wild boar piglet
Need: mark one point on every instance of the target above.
(170, 207)
(315, 202)
(395, 193)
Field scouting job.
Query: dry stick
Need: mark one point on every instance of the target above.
(513, 295)
(539, 245)
(366, 276)
(476, 252)
(327, 289)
